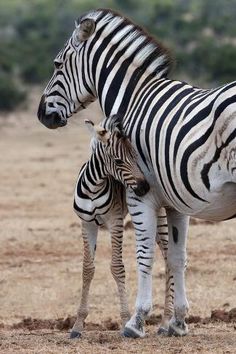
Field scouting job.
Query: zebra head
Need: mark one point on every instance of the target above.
(106, 57)
(117, 157)
(66, 93)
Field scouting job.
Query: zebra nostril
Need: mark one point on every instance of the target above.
(50, 104)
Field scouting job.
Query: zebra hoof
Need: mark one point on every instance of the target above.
(132, 333)
(134, 328)
(162, 331)
(178, 329)
(75, 334)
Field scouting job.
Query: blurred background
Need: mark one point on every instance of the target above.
(200, 33)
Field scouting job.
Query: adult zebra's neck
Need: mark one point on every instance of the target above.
(123, 57)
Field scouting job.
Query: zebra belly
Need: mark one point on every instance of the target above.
(222, 204)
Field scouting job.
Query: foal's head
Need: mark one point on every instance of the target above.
(118, 156)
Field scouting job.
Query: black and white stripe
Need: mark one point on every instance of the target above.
(185, 137)
(99, 199)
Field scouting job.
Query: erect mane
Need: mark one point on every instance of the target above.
(150, 49)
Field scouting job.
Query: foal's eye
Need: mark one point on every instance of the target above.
(119, 162)
(58, 65)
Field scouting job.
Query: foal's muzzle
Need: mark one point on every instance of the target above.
(142, 188)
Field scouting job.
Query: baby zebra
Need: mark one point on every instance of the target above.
(100, 199)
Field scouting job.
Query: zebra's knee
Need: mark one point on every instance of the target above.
(88, 273)
(176, 263)
(118, 271)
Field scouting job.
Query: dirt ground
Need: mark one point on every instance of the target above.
(41, 256)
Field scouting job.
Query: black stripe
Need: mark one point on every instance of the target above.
(203, 114)
(200, 142)
(207, 166)
(157, 106)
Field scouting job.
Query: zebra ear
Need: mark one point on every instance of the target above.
(90, 126)
(84, 30)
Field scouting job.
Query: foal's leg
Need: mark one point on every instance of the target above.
(89, 233)
(162, 241)
(117, 266)
(145, 223)
(178, 229)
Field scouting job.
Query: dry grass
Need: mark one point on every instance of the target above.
(41, 255)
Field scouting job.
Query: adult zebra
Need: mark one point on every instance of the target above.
(185, 137)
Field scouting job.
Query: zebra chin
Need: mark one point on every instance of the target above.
(142, 188)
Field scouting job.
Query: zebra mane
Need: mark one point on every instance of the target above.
(149, 48)
(115, 124)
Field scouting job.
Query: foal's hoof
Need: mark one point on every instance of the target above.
(178, 329)
(75, 334)
(162, 331)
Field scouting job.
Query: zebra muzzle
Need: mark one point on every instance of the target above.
(142, 188)
(52, 120)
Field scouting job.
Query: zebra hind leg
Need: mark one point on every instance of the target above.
(176, 258)
(89, 232)
(162, 241)
(169, 304)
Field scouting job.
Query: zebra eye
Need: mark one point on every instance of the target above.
(118, 162)
(58, 65)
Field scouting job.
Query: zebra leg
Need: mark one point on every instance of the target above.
(145, 224)
(89, 233)
(176, 258)
(162, 241)
(118, 269)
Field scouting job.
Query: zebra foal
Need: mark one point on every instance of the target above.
(100, 200)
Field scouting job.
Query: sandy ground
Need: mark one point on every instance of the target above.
(41, 256)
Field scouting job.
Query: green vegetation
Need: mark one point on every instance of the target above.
(200, 33)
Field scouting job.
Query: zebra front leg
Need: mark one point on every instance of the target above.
(176, 258)
(145, 224)
(162, 241)
(118, 269)
(89, 233)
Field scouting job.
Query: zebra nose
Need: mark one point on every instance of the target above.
(42, 108)
(142, 188)
(52, 120)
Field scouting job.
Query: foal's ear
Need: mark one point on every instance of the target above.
(97, 131)
(84, 29)
(90, 126)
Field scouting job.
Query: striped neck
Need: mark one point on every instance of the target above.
(94, 178)
(122, 57)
